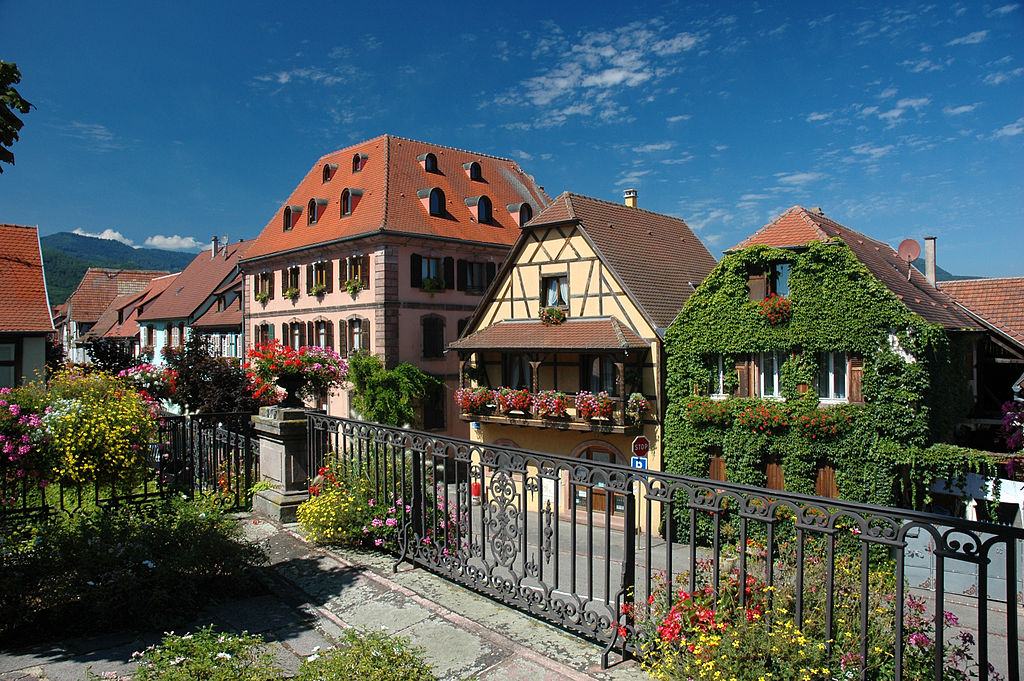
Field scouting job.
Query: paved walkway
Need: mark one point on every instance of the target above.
(316, 593)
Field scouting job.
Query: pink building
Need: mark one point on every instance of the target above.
(387, 246)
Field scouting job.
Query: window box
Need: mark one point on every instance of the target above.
(318, 290)
(291, 293)
(262, 297)
(593, 406)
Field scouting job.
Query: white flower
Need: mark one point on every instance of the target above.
(313, 658)
(224, 656)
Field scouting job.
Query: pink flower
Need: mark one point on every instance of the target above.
(378, 542)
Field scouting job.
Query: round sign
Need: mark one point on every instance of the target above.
(641, 445)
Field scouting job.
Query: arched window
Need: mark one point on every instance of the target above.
(436, 201)
(311, 215)
(346, 203)
(430, 163)
(483, 209)
(329, 169)
(287, 218)
(525, 214)
(473, 169)
(358, 161)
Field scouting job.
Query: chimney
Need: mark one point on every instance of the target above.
(630, 196)
(929, 259)
(224, 242)
(213, 251)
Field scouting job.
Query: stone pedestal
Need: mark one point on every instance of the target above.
(283, 461)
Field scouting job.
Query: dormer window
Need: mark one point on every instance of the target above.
(433, 200)
(522, 212)
(428, 161)
(358, 161)
(480, 208)
(473, 170)
(315, 207)
(773, 280)
(329, 170)
(291, 214)
(346, 203)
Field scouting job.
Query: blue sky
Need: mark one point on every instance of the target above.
(169, 122)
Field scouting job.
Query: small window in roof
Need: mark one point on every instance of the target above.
(358, 161)
(329, 169)
(430, 163)
(311, 212)
(525, 214)
(287, 218)
(346, 203)
(436, 201)
(483, 209)
(473, 170)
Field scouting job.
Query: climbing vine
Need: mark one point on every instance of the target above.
(913, 386)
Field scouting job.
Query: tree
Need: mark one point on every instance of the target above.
(388, 396)
(10, 102)
(110, 354)
(208, 384)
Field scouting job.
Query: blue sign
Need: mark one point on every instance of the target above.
(639, 462)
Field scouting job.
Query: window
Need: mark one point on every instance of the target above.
(358, 334)
(346, 203)
(832, 375)
(718, 378)
(358, 161)
(150, 336)
(432, 273)
(599, 373)
(433, 337)
(517, 372)
(264, 284)
(357, 268)
(475, 277)
(437, 202)
(768, 364)
(329, 169)
(287, 218)
(483, 210)
(319, 276)
(175, 337)
(323, 334)
(525, 214)
(7, 365)
(774, 280)
(555, 291)
(429, 162)
(290, 279)
(315, 207)
(296, 334)
(473, 170)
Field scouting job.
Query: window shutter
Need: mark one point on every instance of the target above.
(416, 270)
(284, 280)
(270, 287)
(329, 333)
(270, 332)
(285, 338)
(716, 470)
(743, 373)
(342, 337)
(758, 285)
(364, 334)
(309, 277)
(855, 371)
(310, 334)
(449, 273)
(491, 269)
(461, 270)
(329, 276)
(776, 476)
(825, 482)
(364, 271)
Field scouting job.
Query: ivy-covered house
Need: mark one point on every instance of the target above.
(814, 359)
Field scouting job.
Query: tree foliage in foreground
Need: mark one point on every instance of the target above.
(10, 103)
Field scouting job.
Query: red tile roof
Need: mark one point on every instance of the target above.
(1000, 302)
(657, 257)
(22, 283)
(799, 226)
(197, 282)
(229, 316)
(99, 287)
(390, 179)
(573, 335)
(130, 326)
(107, 321)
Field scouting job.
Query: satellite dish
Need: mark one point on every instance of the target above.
(909, 250)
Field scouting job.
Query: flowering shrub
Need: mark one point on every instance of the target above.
(550, 403)
(23, 452)
(365, 655)
(763, 417)
(776, 309)
(593, 406)
(1013, 424)
(320, 368)
(473, 400)
(704, 411)
(823, 422)
(514, 400)
(150, 380)
(637, 407)
(206, 654)
(552, 316)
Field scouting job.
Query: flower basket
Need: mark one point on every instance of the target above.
(433, 284)
(307, 372)
(514, 400)
(291, 293)
(776, 309)
(551, 404)
(353, 286)
(704, 411)
(637, 407)
(474, 400)
(262, 297)
(593, 406)
(318, 290)
(552, 316)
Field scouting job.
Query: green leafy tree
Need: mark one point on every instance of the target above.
(388, 396)
(110, 354)
(10, 102)
(208, 384)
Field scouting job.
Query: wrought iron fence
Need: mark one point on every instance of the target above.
(617, 554)
(200, 453)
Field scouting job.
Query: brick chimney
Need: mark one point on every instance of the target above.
(630, 196)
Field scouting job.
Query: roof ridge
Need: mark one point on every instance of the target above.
(387, 183)
(622, 205)
(389, 137)
(978, 279)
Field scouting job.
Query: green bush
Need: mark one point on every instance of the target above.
(121, 568)
(368, 656)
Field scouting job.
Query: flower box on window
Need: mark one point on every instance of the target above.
(474, 400)
(776, 309)
(291, 293)
(551, 404)
(262, 297)
(593, 405)
(552, 316)
(514, 400)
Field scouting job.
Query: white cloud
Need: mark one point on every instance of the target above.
(755, 197)
(798, 179)
(631, 177)
(680, 117)
(958, 110)
(686, 158)
(721, 147)
(1005, 9)
(311, 74)
(655, 146)
(872, 152)
(920, 65)
(98, 137)
(887, 93)
(915, 104)
(109, 234)
(818, 116)
(1011, 129)
(970, 38)
(684, 42)
(174, 243)
(520, 154)
(868, 110)
(1000, 77)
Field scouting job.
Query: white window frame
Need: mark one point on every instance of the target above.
(720, 393)
(828, 364)
(763, 359)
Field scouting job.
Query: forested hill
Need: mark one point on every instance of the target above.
(67, 256)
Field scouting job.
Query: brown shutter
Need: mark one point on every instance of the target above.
(825, 482)
(449, 272)
(744, 372)
(416, 270)
(776, 476)
(460, 270)
(270, 288)
(364, 271)
(716, 471)
(329, 334)
(310, 333)
(364, 334)
(285, 338)
(309, 278)
(285, 284)
(855, 370)
(329, 276)
(342, 337)
(758, 285)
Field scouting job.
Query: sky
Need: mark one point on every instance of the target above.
(165, 123)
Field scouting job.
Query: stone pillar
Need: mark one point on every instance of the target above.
(283, 461)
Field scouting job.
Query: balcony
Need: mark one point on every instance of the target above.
(585, 411)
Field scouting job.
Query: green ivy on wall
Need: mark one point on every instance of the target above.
(913, 384)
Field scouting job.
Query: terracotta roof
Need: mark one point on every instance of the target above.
(390, 179)
(108, 318)
(799, 226)
(99, 286)
(229, 316)
(573, 335)
(130, 326)
(197, 282)
(22, 283)
(657, 257)
(1000, 302)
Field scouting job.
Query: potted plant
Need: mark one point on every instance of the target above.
(291, 293)
(262, 297)
(552, 316)
(593, 406)
(474, 400)
(637, 407)
(304, 373)
(433, 284)
(353, 286)
(514, 401)
(551, 404)
(776, 309)
(318, 290)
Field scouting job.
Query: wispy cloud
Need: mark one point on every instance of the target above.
(873, 152)
(818, 116)
(1011, 129)
(685, 158)
(756, 197)
(798, 179)
(970, 38)
(631, 177)
(522, 155)
(922, 65)
(999, 77)
(893, 116)
(654, 146)
(174, 243)
(888, 93)
(680, 117)
(310, 74)
(959, 110)
(108, 234)
(96, 136)
(1005, 9)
